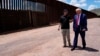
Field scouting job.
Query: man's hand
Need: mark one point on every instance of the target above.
(84, 30)
(58, 29)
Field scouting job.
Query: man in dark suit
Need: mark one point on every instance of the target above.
(79, 27)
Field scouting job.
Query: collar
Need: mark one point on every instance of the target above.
(79, 14)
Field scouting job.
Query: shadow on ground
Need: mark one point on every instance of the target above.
(88, 49)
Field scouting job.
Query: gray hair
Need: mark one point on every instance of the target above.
(78, 9)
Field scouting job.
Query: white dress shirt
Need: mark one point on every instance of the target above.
(79, 19)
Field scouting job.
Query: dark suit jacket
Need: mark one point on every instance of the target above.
(83, 22)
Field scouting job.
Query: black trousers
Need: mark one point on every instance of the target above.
(82, 33)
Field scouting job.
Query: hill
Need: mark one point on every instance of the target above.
(96, 11)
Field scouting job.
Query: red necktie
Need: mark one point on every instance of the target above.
(77, 20)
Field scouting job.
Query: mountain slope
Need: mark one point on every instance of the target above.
(96, 11)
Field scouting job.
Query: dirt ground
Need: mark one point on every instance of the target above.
(47, 41)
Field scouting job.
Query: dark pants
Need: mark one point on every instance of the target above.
(82, 33)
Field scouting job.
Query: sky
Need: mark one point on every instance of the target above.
(84, 4)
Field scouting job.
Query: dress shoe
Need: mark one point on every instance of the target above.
(64, 46)
(84, 48)
(72, 49)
